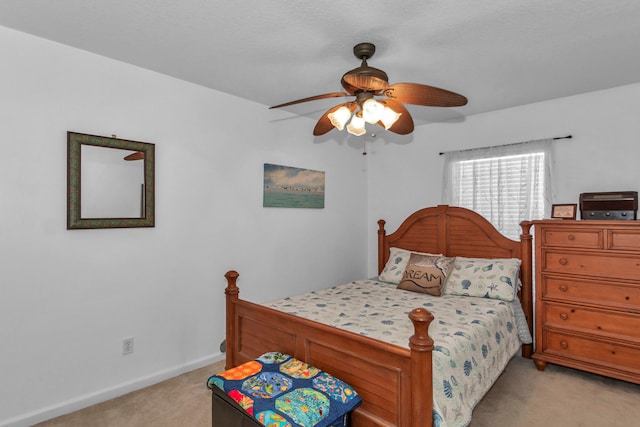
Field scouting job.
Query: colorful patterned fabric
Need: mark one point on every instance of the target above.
(272, 419)
(242, 371)
(281, 391)
(474, 337)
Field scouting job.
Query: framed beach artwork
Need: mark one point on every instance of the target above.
(288, 187)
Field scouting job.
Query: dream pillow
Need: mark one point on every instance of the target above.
(426, 273)
(394, 269)
(484, 277)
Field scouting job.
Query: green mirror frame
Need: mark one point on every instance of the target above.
(74, 167)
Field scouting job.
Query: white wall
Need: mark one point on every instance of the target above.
(69, 297)
(604, 154)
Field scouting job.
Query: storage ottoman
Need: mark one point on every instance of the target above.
(279, 390)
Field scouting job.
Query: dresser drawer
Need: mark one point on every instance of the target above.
(572, 238)
(624, 240)
(596, 265)
(610, 354)
(626, 297)
(619, 325)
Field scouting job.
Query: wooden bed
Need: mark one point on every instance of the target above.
(393, 390)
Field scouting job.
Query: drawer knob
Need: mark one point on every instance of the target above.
(564, 344)
(563, 288)
(571, 237)
(563, 261)
(564, 316)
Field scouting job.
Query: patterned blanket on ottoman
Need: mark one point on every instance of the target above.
(279, 390)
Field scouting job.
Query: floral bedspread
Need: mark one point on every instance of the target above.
(474, 337)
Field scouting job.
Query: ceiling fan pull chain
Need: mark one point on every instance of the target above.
(364, 144)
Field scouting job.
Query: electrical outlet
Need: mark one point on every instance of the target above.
(127, 346)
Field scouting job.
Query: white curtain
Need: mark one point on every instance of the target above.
(506, 184)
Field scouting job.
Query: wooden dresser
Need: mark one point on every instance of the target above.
(587, 304)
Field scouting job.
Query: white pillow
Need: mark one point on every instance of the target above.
(495, 278)
(397, 263)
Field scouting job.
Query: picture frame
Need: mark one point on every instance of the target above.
(564, 211)
(90, 204)
(291, 187)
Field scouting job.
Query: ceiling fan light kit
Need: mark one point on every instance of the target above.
(372, 111)
(340, 117)
(356, 126)
(389, 117)
(365, 83)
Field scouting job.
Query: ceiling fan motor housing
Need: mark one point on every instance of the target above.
(365, 78)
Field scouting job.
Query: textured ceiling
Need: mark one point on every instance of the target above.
(498, 53)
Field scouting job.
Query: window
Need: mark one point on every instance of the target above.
(505, 184)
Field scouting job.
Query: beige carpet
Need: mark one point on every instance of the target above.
(180, 401)
(522, 396)
(559, 396)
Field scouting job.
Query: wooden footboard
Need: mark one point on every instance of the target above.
(381, 373)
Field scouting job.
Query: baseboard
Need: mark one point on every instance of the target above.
(99, 396)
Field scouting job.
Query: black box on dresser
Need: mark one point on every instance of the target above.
(614, 205)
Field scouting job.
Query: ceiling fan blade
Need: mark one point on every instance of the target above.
(404, 124)
(324, 124)
(312, 98)
(419, 94)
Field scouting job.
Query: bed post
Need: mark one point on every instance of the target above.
(231, 292)
(382, 253)
(526, 296)
(421, 346)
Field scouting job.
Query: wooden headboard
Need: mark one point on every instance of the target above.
(448, 230)
(454, 231)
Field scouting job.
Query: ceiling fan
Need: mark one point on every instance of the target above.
(366, 83)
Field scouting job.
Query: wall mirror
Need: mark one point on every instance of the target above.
(110, 182)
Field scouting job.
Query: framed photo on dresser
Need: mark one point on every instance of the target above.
(564, 211)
